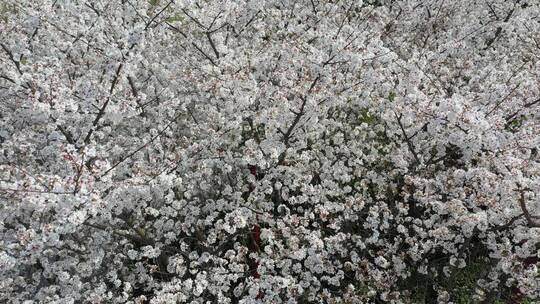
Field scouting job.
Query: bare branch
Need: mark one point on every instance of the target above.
(132, 237)
(498, 31)
(503, 100)
(204, 54)
(208, 35)
(12, 58)
(531, 219)
(527, 105)
(507, 225)
(140, 148)
(135, 93)
(407, 139)
(157, 15)
(193, 19)
(247, 23)
(105, 104)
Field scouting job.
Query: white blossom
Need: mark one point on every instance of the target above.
(158, 151)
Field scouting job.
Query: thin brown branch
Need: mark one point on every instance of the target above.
(105, 104)
(135, 238)
(12, 58)
(204, 54)
(503, 100)
(507, 225)
(498, 31)
(247, 23)
(527, 105)
(135, 93)
(287, 134)
(407, 139)
(140, 148)
(531, 219)
(35, 191)
(208, 35)
(157, 15)
(193, 19)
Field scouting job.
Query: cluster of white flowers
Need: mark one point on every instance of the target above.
(276, 151)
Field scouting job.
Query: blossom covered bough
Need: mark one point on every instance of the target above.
(268, 151)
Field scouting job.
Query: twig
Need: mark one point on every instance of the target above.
(158, 14)
(135, 93)
(503, 100)
(527, 105)
(36, 191)
(204, 54)
(102, 109)
(194, 20)
(530, 218)
(136, 238)
(410, 145)
(498, 31)
(12, 58)
(140, 148)
(247, 23)
(507, 225)
(212, 44)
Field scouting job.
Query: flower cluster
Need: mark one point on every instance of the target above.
(268, 151)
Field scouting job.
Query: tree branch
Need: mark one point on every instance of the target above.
(140, 148)
(212, 44)
(158, 14)
(102, 109)
(410, 145)
(531, 219)
(498, 31)
(12, 58)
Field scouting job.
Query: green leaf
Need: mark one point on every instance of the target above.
(366, 117)
(391, 96)
(516, 123)
(175, 18)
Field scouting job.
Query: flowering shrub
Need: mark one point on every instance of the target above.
(277, 151)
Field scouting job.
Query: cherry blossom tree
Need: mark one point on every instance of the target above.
(268, 151)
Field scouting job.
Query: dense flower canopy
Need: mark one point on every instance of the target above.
(267, 151)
